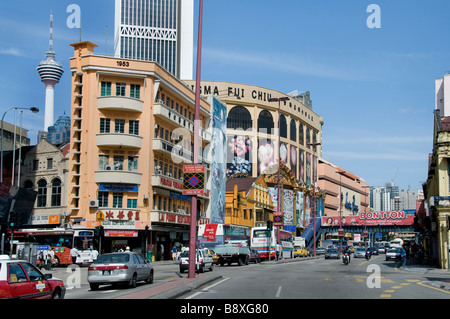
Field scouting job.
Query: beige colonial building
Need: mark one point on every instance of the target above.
(131, 133)
(45, 170)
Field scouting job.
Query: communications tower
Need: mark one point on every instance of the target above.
(50, 73)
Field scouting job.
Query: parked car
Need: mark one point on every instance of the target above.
(332, 253)
(359, 252)
(203, 260)
(396, 253)
(254, 256)
(20, 279)
(119, 268)
(300, 251)
(320, 251)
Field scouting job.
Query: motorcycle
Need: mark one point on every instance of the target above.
(368, 255)
(346, 259)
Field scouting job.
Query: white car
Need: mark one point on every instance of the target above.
(203, 260)
(127, 267)
(359, 252)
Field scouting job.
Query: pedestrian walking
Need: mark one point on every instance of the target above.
(74, 254)
(278, 251)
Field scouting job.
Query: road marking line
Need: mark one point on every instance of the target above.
(396, 287)
(107, 291)
(389, 290)
(278, 292)
(385, 296)
(207, 288)
(435, 288)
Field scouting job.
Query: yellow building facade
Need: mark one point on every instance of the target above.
(131, 133)
(247, 201)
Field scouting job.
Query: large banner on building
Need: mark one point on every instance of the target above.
(239, 155)
(218, 161)
(371, 219)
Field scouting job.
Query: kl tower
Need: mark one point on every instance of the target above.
(50, 73)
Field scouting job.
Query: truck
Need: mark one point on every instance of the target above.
(232, 253)
(299, 241)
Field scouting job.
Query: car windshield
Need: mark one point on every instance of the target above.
(112, 259)
(360, 249)
(332, 250)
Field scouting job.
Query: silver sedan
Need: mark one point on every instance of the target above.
(127, 267)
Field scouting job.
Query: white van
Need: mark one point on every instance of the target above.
(203, 260)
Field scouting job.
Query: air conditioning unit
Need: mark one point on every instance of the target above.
(93, 203)
(169, 174)
(159, 172)
(110, 168)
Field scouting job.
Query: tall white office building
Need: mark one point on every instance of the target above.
(160, 31)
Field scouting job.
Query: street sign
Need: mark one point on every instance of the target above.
(100, 216)
(193, 179)
(278, 218)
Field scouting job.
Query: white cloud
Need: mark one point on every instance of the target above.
(11, 51)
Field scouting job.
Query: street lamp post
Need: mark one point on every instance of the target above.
(32, 109)
(193, 223)
(279, 100)
(340, 209)
(365, 210)
(314, 198)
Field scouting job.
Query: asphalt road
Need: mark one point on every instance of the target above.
(325, 279)
(301, 278)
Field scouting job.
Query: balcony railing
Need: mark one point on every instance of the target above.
(120, 103)
(163, 111)
(119, 140)
(118, 177)
(177, 153)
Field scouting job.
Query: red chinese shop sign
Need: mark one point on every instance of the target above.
(178, 219)
(370, 219)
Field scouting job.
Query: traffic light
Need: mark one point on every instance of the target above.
(12, 220)
(269, 225)
(99, 231)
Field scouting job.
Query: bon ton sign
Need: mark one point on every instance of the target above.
(371, 219)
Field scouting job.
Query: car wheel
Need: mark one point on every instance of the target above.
(57, 294)
(133, 281)
(94, 286)
(150, 278)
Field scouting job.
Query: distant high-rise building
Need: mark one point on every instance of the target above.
(59, 132)
(380, 199)
(159, 31)
(50, 73)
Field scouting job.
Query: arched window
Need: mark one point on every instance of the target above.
(42, 193)
(265, 122)
(239, 118)
(283, 126)
(308, 137)
(301, 134)
(56, 192)
(293, 131)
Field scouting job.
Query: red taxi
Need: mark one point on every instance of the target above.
(20, 279)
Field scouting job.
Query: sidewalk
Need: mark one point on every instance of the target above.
(441, 283)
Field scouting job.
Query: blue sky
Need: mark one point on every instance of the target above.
(373, 87)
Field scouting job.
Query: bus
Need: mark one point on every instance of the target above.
(260, 242)
(62, 240)
(210, 235)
